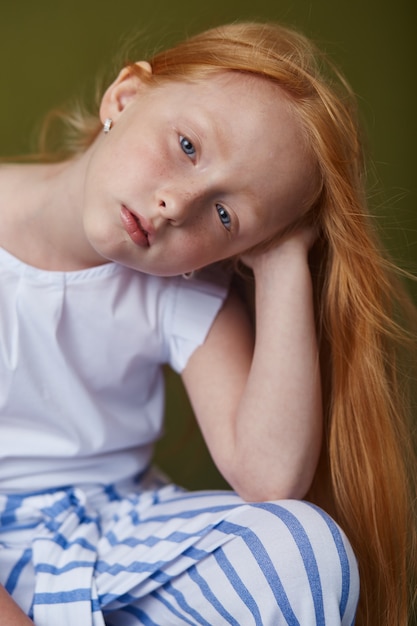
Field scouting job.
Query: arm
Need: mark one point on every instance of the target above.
(10, 613)
(260, 409)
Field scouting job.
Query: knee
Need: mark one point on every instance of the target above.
(305, 556)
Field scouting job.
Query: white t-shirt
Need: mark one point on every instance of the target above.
(81, 384)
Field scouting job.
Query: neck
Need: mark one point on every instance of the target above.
(42, 215)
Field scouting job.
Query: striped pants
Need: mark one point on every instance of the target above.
(150, 553)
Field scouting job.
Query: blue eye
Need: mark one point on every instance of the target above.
(186, 146)
(224, 216)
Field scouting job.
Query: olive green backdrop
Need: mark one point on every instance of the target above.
(51, 51)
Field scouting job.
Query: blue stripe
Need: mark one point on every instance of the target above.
(135, 518)
(188, 514)
(128, 599)
(161, 577)
(267, 567)
(113, 569)
(111, 493)
(175, 537)
(173, 610)
(12, 504)
(185, 606)
(68, 502)
(67, 597)
(238, 585)
(307, 554)
(196, 553)
(9, 523)
(343, 557)
(56, 571)
(14, 575)
(63, 597)
(65, 544)
(210, 596)
(109, 598)
(135, 567)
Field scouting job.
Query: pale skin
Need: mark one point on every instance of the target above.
(183, 179)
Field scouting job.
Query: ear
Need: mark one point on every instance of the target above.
(123, 90)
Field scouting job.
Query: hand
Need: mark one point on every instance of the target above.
(10, 613)
(296, 242)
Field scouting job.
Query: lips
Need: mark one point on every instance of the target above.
(134, 228)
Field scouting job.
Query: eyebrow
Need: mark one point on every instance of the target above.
(207, 127)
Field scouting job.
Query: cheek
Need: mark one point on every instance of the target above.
(147, 165)
(136, 165)
(197, 246)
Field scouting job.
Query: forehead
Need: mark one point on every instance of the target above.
(229, 94)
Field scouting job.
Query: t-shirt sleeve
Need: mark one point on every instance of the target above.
(194, 306)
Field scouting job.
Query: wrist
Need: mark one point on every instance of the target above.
(289, 255)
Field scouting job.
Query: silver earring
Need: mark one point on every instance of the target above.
(188, 275)
(107, 125)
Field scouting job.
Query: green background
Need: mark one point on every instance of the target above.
(51, 51)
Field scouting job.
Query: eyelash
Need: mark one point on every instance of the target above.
(224, 216)
(187, 146)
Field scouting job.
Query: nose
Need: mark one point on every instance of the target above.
(176, 206)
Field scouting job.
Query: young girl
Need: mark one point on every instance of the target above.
(235, 144)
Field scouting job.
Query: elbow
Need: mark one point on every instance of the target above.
(271, 495)
(267, 489)
(266, 477)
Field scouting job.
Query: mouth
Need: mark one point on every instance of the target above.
(134, 227)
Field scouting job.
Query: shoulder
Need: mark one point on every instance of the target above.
(187, 310)
(198, 299)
